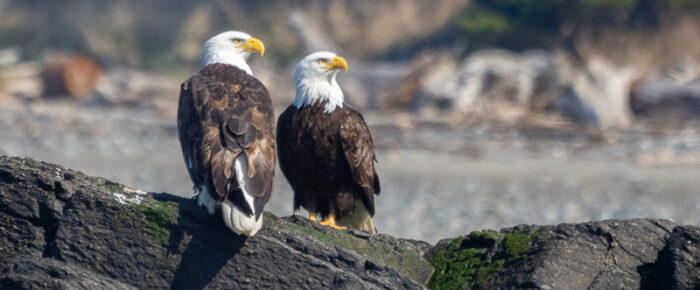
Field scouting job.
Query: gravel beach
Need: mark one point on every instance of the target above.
(437, 180)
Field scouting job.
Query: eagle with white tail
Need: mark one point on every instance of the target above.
(225, 123)
(326, 150)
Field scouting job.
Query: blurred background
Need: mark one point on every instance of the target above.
(485, 114)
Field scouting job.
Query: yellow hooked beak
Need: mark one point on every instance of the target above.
(254, 44)
(337, 63)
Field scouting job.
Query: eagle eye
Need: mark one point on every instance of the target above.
(322, 60)
(236, 40)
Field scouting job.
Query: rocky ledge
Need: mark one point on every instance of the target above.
(63, 229)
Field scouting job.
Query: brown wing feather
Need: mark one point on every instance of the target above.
(224, 112)
(291, 154)
(358, 149)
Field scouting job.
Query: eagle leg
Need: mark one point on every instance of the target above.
(330, 221)
(312, 216)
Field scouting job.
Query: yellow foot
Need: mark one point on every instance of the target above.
(312, 217)
(330, 221)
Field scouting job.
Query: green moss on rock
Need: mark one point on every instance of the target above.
(112, 186)
(469, 262)
(160, 215)
(400, 257)
(484, 239)
(465, 262)
(516, 245)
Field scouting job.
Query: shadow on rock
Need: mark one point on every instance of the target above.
(208, 245)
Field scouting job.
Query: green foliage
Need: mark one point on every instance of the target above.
(610, 3)
(484, 27)
(484, 22)
(160, 216)
(541, 23)
(682, 3)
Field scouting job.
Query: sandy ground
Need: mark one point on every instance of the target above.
(437, 181)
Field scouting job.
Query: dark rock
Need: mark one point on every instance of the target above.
(103, 234)
(678, 266)
(612, 254)
(63, 229)
(44, 273)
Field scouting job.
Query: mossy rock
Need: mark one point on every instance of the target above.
(403, 255)
(468, 262)
(160, 216)
(112, 186)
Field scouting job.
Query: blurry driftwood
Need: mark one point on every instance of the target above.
(127, 87)
(672, 94)
(9, 56)
(493, 84)
(20, 80)
(403, 93)
(69, 75)
(649, 93)
(598, 95)
(308, 34)
(517, 88)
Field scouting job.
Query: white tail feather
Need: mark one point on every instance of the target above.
(233, 217)
(238, 221)
(203, 199)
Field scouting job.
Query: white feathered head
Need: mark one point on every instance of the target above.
(232, 47)
(315, 80)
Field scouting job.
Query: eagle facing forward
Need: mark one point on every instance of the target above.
(225, 123)
(325, 148)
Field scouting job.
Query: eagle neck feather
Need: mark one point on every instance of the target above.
(313, 90)
(213, 54)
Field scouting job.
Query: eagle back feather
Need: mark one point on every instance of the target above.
(358, 150)
(224, 112)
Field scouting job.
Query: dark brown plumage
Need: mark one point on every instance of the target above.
(328, 159)
(224, 112)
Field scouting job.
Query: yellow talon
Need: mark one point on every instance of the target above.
(312, 217)
(330, 221)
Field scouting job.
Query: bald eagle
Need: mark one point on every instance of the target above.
(325, 149)
(225, 123)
